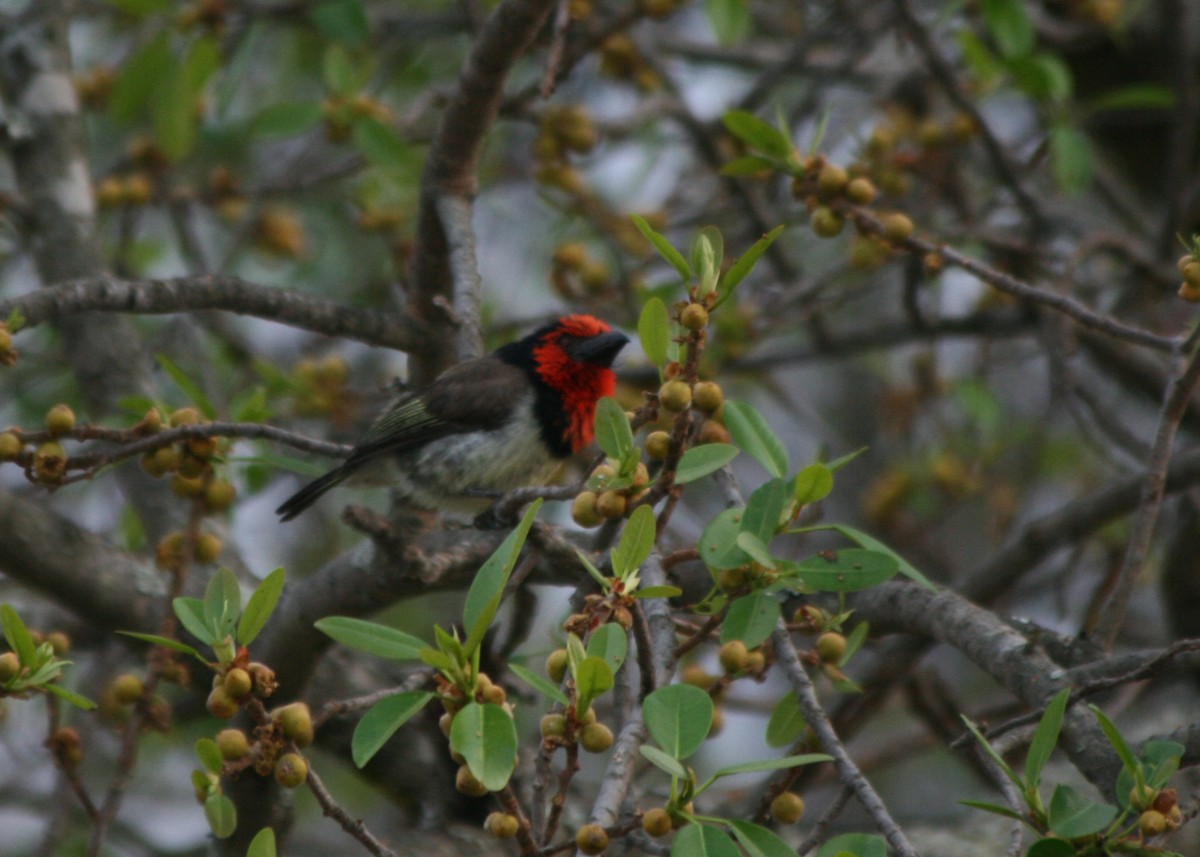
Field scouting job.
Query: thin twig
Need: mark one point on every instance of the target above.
(353, 826)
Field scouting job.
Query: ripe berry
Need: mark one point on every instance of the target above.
(502, 825)
(657, 444)
(826, 222)
(10, 446)
(233, 744)
(733, 656)
(67, 746)
(595, 738)
(296, 722)
(556, 665)
(127, 689)
(831, 647)
(694, 317)
(787, 808)
(675, 396)
(656, 822)
(897, 227)
(708, 396)
(60, 419)
(468, 784)
(712, 432)
(591, 839)
(291, 770)
(220, 704)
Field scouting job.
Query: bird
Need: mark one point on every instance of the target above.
(487, 425)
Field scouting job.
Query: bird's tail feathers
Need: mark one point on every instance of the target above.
(309, 494)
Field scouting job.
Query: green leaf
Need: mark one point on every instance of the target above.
(662, 761)
(210, 755)
(840, 462)
(287, 119)
(338, 72)
(166, 642)
(263, 844)
(542, 685)
(758, 134)
(991, 751)
(873, 544)
(700, 461)
(1045, 738)
(994, 808)
(813, 483)
(1128, 760)
(610, 644)
(486, 736)
(189, 387)
(221, 815)
(1161, 759)
(438, 660)
(765, 509)
(1072, 815)
(658, 592)
(222, 603)
(679, 717)
(718, 542)
(190, 612)
(751, 619)
(260, 607)
(1042, 76)
(746, 262)
(173, 104)
(78, 700)
(613, 434)
(747, 165)
(706, 256)
(654, 330)
(371, 637)
(1136, 97)
(663, 246)
(857, 844)
(730, 20)
(758, 841)
(382, 720)
(1009, 24)
(787, 722)
(487, 589)
(140, 8)
(774, 764)
(18, 636)
(381, 145)
(1070, 158)
(847, 570)
(593, 677)
(755, 549)
(139, 75)
(637, 541)
(342, 21)
(751, 432)
(1051, 847)
(702, 840)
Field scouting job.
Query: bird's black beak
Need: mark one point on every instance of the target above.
(602, 349)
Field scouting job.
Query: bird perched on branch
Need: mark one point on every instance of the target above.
(488, 425)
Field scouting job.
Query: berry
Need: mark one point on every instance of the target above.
(556, 665)
(787, 808)
(208, 547)
(583, 509)
(468, 784)
(675, 396)
(168, 458)
(291, 770)
(219, 495)
(67, 746)
(10, 666)
(712, 432)
(591, 839)
(831, 180)
(1152, 822)
(897, 227)
(694, 317)
(611, 504)
(861, 191)
(296, 722)
(708, 396)
(220, 704)
(185, 486)
(570, 255)
(60, 419)
(826, 222)
(656, 822)
(595, 738)
(184, 417)
(658, 443)
(237, 683)
(733, 656)
(1189, 293)
(127, 689)
(1191, 272)
(233, 744)
(809, 618)
(60, 642)
(831, 647)
(502, 825)
(1143, 797)
(554, 726)
(10, 446)
(50, 462)
(756, 661)
(697, 676)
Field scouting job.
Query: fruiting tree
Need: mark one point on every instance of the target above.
(899, 485)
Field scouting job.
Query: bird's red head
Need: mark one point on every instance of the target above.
(573, 358)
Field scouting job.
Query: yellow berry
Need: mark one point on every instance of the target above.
(897, 227)
(208, 547)
(595, 738)
(861, 191)
(831, 180)
(611, 504)
(694, 317)
(233, 744)
(583, 509)
(656, 822)
(553, 725)
(712, 432)
(468, 784)
(59, 641)
(184, 417)
(831, 647)
(237, 683)
(219, 495)
(1152, 822)
(10, 446)
(591, 839)
(502, 825)
(1189, 292)
(1191, 273)
(733, 656)
(295, 720)
(708, 396)
(787, 808)
(60, 419)
(658, 443)
(291, 770)
(675, 396)
(220, 704)
(10, 666)
(50, 462)
(826, 222)
(556, 665)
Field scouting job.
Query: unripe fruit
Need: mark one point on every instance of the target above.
(712, 432)
(554, 726)
(831, 180)
(185, 417)
(787, 808)
(583, 509)
(611, 504)
(183, 486)
(708, 396)
(208, 547)
(1184, 260)
(59, 642)
(10, 446)
(50, 462)
(237, 683)
(494, 694)
(1142, 797)
(60, 419)
(591, 839)
(296, 722)
(1189, 293)
(570, 255)
(657, 444)
(168, 458)
(1191, 273)
(446, 723)
(897, 227)
(467, 784)
(219, 495)
(831, 647)
(1152, 822)
(588, 718)
(127, 689)
(10, 666)
(697, 676)
(756, 661)
(733, 656)
(809, 618)
(233, 744)
(656, 822)
(675, 396)
(826, 222)
(291, 770)
(1174, 818)
(502, 825)
(220, 704)
(718, 722)
(202, 447)
(861, 191)
(556, 665)
(694, 317)
(192, 467)
(150, 466)
(595, 738)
